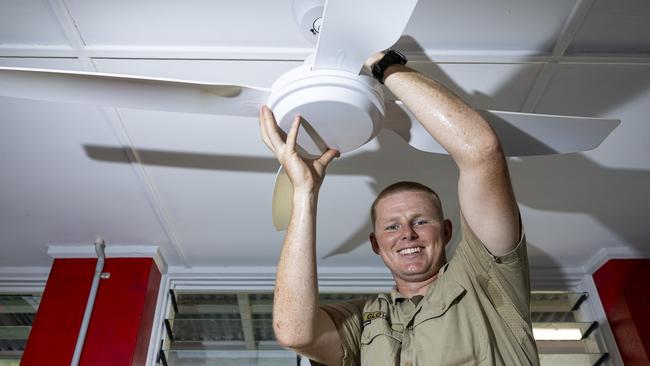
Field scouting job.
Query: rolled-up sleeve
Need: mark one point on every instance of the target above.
(347, 318)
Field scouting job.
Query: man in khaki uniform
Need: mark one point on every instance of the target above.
(470, 310)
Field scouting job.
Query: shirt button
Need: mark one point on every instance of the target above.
(408, 364)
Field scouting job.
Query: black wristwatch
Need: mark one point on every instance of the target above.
(391, 57)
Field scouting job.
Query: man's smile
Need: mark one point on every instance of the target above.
(411, 251)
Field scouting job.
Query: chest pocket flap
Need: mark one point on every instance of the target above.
(441, 300)
(377, 328)
(380, 345)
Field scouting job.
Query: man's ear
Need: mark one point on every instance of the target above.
(447, 230)
(373, 243)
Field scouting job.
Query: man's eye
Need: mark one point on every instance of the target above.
(391, 227)
(420, 222)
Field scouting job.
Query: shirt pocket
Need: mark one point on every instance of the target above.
(450, 332)
(380, 345)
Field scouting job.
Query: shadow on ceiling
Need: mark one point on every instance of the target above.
(567, 183)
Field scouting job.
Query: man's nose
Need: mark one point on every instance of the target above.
(408, 233)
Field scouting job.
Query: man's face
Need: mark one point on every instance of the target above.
(410, 235)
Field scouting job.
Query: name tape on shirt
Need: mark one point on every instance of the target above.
(368, 317)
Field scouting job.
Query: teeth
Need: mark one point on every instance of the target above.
(410, 250)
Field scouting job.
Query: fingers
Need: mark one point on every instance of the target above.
(265, 135)
(293, 133)
(271, 134)
(328, 156)
(281, 143)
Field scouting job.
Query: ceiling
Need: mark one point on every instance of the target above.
(199, 186)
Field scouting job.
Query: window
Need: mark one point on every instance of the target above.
(235, 328)
(16, 316)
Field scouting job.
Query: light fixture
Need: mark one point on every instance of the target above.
(557, 334)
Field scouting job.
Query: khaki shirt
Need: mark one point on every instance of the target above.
(475, 313)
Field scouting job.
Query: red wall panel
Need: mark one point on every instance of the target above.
(119, 312)
(122, 316)
(56, 324)
(149, 311)
(623, 286)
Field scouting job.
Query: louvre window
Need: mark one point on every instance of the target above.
(236, 329)
(16, 316)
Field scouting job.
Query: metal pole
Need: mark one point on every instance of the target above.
(99, 248)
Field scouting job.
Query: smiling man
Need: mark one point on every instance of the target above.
(470, 310)
(410, 233)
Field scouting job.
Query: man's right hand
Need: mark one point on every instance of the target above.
(298, 322)
(305, 174)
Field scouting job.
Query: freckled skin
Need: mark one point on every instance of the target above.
(410, 219)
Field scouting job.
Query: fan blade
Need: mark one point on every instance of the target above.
(354, 30)
(131, 92)
(521, 134)
(282, 200)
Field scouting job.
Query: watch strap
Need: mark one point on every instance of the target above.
(391, 57)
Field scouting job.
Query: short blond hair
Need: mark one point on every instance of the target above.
(405, 186)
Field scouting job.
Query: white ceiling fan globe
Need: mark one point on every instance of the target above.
(340, 110)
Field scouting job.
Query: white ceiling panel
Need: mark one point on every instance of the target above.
(195, 23)
(53, 193)
(593, 199)
(611, 91)
(25, 23)
(555, 244)
(215, 176)
(615, 26)
(499, 25)
(586, 206)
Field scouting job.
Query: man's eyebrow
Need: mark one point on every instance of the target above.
(414, 216)
(384, 222)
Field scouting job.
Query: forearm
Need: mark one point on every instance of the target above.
(453, 123)
(295, 302)
(484, 189)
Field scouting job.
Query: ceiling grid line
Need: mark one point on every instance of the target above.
(572, 25)
(539, 86)
(71, 32)
(76, 40)
(569, 30)
(151, 191)
(473, 57)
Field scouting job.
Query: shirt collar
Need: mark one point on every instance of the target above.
(396, 297)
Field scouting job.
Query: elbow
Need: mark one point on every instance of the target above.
(491, 147)
(488, 148)
(293, 338)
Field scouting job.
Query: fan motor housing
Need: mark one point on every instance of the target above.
(340, 110)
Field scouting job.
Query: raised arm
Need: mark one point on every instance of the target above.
(485, 192)
(298, 322)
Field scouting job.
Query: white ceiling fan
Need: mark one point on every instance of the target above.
(344, 107)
